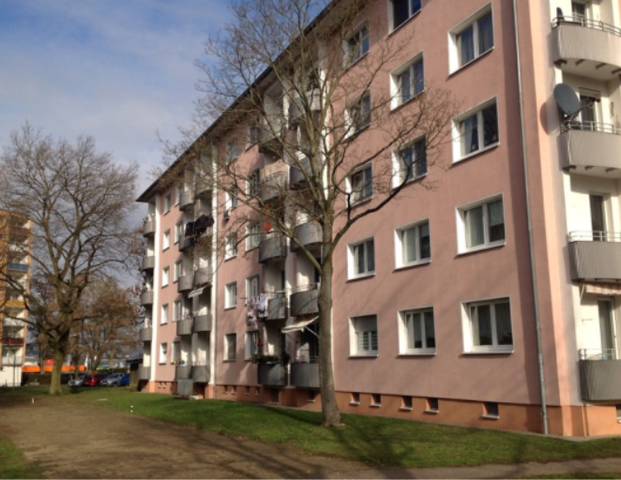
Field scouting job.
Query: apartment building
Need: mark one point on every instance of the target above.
(489, 300)
(15, 261)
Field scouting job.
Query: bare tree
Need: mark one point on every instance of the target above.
(314, 95)
(78, 202)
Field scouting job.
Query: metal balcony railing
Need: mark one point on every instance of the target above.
(600, 375)
(586, 22)
(595, 255)
(592, 127)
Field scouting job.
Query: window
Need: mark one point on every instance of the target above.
(230, 247)
(178, 192)
(472, 38)
(362, 259)
(357, 45)
(177, 270)
(481, 225)
(491, 410)
(376, 400)
(230, 201)
(230, 346)
(433, 405)
(413, 244)
(363, 340)
(408, 82)
(232, 151)
(163, 352)
(252, 344)
(476, 130)
(402, 10)
(488, 327)
(175, 353)
(355, 399)
(361, 184)
(178, 232)
(252, 184)
(166, 240)
(253, 235)
(417, 332)
(177, 311)
(358, 115)
(167, 203)
(164, 318)
(254, 131)
(165, 276)
(252, 286)
(406, 403)
(230, 295)
(410, 162)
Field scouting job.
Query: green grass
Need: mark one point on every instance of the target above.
(379, 441)
(581, 475)
(13, 463)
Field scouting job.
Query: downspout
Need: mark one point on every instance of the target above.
(542, 384)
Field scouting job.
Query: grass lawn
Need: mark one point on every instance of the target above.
(380, 441)
(13, 464)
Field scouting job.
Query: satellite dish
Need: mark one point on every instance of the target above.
(567, 99)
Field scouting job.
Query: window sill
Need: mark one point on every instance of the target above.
(230, 258)
(375, 405)
(474, 60)
(230, 308)
(482, 248)
(407, 102)
(431, 411)
(405, 409)
(478, 152)
(351, 136)
(361, 277)
(422, 353)
(358, 60)
(165, 248)
(490, 417)
(413, 265)
(490, 352)
(409, 181)
(354, 404)
(360, 201)
(363, 355)
(399, 27)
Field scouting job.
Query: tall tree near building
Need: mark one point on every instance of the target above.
(322, 100)
(79, 202)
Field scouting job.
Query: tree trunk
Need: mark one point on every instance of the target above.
(60, 352)
(329, 407)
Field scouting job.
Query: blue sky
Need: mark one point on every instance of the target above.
(117, 70)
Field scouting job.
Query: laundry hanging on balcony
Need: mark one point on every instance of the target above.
(257, 310)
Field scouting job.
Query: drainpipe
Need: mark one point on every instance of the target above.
(542, 384)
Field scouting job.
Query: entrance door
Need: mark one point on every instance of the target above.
(607, 330)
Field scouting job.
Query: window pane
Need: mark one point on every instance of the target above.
(404, 85)
(408, 240)
(360, 258)
(370, 248)
(465, 41)
(496, 221)
(470, 134)
(407, 156)
(420, 149)
(430, 334)
(483, 325)
(425, 241)
(416, 6)
(419, 77)
(368, 182)
(490, 125)
(374, 345)
(474, 227)
(486, 33)
(400, 12)
(503, 324)
(418, 330)
(409, 328)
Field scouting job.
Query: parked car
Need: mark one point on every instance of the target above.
(116, 380)
(93, 380)
(76, 382)
(123, 380)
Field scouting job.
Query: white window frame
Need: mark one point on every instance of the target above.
(230, 246)
(464, 124)
(165, 276)
(361, 247)
(357, 45)
(465, 215)
(164, 314)
(358, 115)
(166, 240)
(251, 344)
(407, 330)
(253, 286)
(417, 168)
(230, 201)
(400, 247)
(178, 192)
(163, 353)
(414, 8)
(253, 235)
(177, 311)
(365, 325)
(175, 352)
(167, 203)
(471, 327)
(230, 347)
(396, 77)
(178, 232)
(253, 183)
(363, 192)
(177, 270)
(456, 36)
(232, 151)
(230, 295)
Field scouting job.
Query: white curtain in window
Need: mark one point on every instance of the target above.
(474, 227)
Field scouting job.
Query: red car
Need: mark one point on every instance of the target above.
(93, 380)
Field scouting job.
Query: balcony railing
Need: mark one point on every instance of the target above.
(186, 199)
(200, 373)
(579, 38)
(13, 340)
(182, 372)
(148, 228)
(595, 255)
(184, 326)
(297, 110)
(272, 375)
(18, 267)
(309, 234)
(304, 301)
(590, 144)
(203, 276)
(146, 298)
(144, 372)
(202, 323)
(273, 181)
(185, 283)
(272, 246)
(186, 243)
(600, 375)
(305, 375)
(299, 172)
(270, 141)
(12, 361)
(277, 308)
(146, 334)
(148, 262)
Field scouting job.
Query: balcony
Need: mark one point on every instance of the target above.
(202, 323)
(184, 327)
(591, 149)
(297, 109)
(600, 376)
(305, 375)
(272, 247)
(304, 302)
(12, 361)
(586, 47)
(186, 243)
(186, 200)
(273, 181)
(297, 177)
(12, 340)
(148, 229)
(277, 308)
(595, 256)
(309, 234)
(182, 372)
(272, 375)
(270, 139)
(185, 283)
(12, 322)
(18, 267)
(146, 298)
(203, 276)
(200, 373)
(144, 373)
(148, 262)
(146, 334)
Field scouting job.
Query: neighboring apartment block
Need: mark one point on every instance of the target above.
(15, 233)
(465, 303)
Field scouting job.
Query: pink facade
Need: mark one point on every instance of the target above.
(438, 298)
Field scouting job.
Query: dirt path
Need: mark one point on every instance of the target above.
(75, 440)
